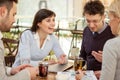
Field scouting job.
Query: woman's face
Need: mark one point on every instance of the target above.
(47, 25)
(114, 22)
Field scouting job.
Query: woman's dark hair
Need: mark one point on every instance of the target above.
(8, 3)
(39, 16)
(94, 7)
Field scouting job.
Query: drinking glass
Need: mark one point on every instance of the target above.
(43, 69)
(79, 63)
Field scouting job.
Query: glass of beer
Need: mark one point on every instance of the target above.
(79, 63)
(43, 69)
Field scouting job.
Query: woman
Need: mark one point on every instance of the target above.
(36, 43)
(111, 51)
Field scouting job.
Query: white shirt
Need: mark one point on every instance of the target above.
(29, 48)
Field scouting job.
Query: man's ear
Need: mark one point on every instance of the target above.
(3, 11)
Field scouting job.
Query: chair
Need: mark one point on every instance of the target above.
(74, 50)
(12, 46)
(9, 60)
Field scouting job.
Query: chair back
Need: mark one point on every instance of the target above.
(11, 47)
(9, 60)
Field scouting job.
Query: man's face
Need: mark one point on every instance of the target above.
(95, 22)
(9, 18)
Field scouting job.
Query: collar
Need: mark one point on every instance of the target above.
(104, 27)
(36, 36)
(1, 35)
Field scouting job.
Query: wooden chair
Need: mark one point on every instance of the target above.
(12, 46)
(9, 60)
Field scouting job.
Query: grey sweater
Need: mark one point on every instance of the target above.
(111, 60)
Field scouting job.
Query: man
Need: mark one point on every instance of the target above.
(23, 72)
(95, 35)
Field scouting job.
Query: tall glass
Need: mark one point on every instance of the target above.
(79, 63)
(43, 69)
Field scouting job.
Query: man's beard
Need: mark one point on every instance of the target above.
(5, 25)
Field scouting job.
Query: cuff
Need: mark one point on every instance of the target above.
(8, 70)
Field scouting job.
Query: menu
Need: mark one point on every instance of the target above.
(70, 75)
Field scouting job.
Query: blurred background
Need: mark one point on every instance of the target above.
(69, 20)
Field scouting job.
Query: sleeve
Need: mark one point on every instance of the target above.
(82, 51)
(23, 75)
(56, 47)
(34, 63)
(23, 49)
(8, 70)
(109, 62)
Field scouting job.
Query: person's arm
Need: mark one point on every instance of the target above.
(22, 75)
(32, 71)
(82, 50)
(17, 69)
(109, 62)
(62, 58)
(23, 49)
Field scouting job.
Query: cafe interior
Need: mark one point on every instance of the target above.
(69, 26)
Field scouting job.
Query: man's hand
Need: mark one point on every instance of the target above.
(19, 68)
(62, 59)
(79, 75)
(97, 74)
(97, 55)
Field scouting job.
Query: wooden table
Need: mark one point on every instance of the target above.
(50, 76)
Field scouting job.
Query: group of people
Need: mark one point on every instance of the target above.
(35, 43)
(100, 46)
(100, 43)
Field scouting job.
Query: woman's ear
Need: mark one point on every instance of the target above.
(117, 19)
(38, 24)
(3, 11)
